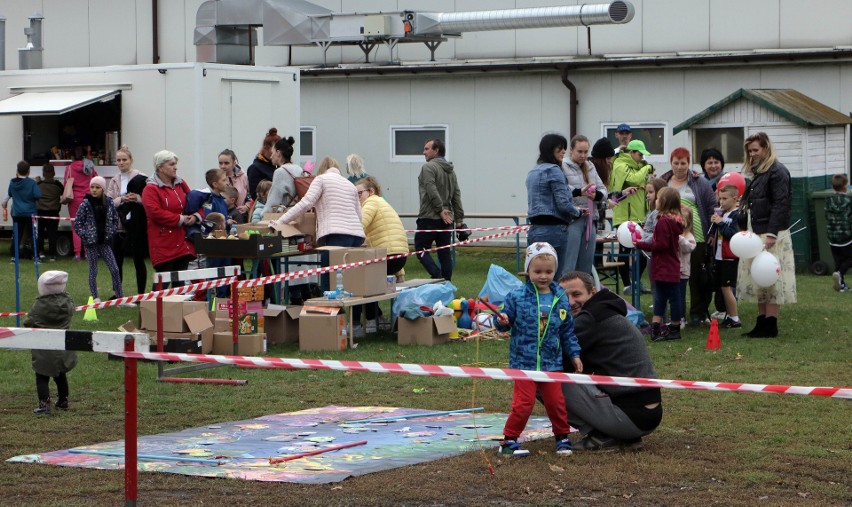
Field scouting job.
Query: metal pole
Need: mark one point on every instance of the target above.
(35, 245)
(17, 272)
(130, 426)
(160, 326)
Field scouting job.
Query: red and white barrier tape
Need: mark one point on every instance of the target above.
(318, 271)
(434, 370)
(53, 218)
(276, 278)
(12, 314)
(501, 228)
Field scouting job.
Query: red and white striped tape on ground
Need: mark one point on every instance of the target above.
(489, 373)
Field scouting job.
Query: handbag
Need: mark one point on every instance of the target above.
(67, 191)
(743, 214)
(302, 184)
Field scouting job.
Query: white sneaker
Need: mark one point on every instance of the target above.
(382, 323)
(718, 315)
(372, 326)
(358, 331)
(837, 284)
(96, 300)
(626, 289)
(127, 305)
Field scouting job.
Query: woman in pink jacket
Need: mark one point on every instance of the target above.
(337, 204)
(82, 171)
(237, 178)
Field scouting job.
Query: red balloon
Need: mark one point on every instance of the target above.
(735, 179)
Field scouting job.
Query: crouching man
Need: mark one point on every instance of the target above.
(610, 417)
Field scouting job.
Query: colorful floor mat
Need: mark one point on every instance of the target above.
(242, 449)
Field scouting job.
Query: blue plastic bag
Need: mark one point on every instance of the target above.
(425, 295)
(498, 283)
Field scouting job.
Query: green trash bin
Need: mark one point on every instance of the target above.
(825, 263)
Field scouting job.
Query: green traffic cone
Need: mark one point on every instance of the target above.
(90, 314)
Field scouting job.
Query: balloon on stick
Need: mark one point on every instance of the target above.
(623, 234)
(765, 269)
(746, 244)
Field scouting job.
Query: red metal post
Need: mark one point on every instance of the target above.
(235, 316)
(160, 327)
(130, 426)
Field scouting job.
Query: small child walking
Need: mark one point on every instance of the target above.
(665, 270)
(52, 309)
(96, 224)
(686, 244)
(838, 215)
(542, 332)
(727, 264)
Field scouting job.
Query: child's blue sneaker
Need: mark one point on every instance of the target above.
(512, 448)
(564, 448)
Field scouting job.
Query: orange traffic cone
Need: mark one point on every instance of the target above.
(714, 342)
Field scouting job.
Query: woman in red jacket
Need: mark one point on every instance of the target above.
(164, 200)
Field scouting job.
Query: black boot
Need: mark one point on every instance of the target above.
(43, 407)
(62, 404)
(673, 331)
(770, 329)
(758, 327)
(658, 332)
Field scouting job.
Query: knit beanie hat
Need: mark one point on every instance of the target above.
(536, 249)
(52, 282)
(98, 180)
(602, 149)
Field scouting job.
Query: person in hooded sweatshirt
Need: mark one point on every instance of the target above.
(610, 417)
(24, 193)
(52, 309)
(440, 208)
(96, 224)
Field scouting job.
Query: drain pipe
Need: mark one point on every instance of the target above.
(2, 43)
(155, 32)
(572, 103)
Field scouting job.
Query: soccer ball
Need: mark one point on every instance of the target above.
(483, 321)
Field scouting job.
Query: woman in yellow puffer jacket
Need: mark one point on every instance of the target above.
(383, 229)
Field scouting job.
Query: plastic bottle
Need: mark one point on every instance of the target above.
(233, 230)
(341, 294)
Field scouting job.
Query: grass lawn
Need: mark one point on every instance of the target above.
(712, 448)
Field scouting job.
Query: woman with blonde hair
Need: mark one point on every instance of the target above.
(120, 190)
(383, 229)
(765, 209)
(355, 168)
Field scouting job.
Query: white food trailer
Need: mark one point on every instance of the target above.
(194, 109)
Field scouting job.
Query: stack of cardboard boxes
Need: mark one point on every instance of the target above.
(186, 325)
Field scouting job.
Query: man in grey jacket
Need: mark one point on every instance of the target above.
(610, 417)
(440, 209)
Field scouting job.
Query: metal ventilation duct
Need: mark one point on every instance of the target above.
(2, 43)
(30, 56)
(446, 23)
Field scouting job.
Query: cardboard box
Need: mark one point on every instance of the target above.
(369, 280)
(259, 227)
(425, 330)
(321, 328)
(281, 323)
(250, 293)
(197, 340)
(293, 240)
(250, 344)
(175, 308)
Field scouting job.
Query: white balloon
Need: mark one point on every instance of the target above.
(623, 234)
(746, 244)
(765, 269)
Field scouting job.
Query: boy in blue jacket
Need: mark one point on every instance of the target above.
(726, 262)
(539, 314)
(24, 193)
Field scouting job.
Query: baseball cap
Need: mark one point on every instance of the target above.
(637, 145)
(623, 128)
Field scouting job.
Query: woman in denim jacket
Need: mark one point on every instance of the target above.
(550, 207)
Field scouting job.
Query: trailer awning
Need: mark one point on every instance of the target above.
(47, 103)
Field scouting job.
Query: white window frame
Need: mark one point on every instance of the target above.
(419, 157)
(313, 130)
(654, 158)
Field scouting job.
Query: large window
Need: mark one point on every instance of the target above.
(727, 140)
(653, 134)
(307, 143)
(407, 141)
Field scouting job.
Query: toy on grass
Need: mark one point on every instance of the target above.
(464, 321)
(483, 322)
